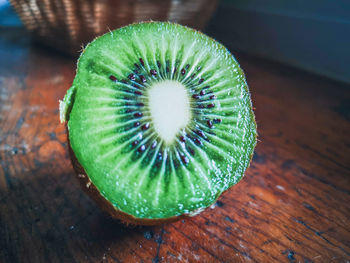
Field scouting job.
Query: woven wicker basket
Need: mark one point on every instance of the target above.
(68, 25)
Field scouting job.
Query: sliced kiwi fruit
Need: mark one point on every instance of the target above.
(159, 121)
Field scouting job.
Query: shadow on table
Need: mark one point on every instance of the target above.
(46, 217)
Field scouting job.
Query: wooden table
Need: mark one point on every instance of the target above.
(292, 206)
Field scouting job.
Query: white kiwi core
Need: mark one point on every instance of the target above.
(169, 105)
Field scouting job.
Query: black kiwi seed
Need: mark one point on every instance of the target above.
(197, 141)
(191, 151)
(201, 81)
(202, 92)
(113, 78)
(141, 148)
(145, 126)
(132, 76)
(217, 120)
(184, 159)
(134, 143)
(211, 105)
(200, 133)
(153, 72)
(183, 71)
(210, 123)
(212, 97)
(182, 138)
(187, 66)
(138, 114)
(136, 124)
(142, 62)
(195, 96)
(138, 92)
(143, 79)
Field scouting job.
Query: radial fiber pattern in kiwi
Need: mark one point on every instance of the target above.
(112, 133)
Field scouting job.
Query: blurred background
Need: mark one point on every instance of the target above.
(312, 35)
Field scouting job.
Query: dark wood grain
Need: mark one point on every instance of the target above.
(292, 206)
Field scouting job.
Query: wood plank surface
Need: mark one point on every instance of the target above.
(293, 205)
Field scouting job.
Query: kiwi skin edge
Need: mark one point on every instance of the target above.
(90, 189)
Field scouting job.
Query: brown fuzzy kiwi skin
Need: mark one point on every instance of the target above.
(91, 190)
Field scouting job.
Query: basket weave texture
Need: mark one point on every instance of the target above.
(68, 25)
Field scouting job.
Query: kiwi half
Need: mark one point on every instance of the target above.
(159, 120)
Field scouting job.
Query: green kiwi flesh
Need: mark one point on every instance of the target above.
(150, 168)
